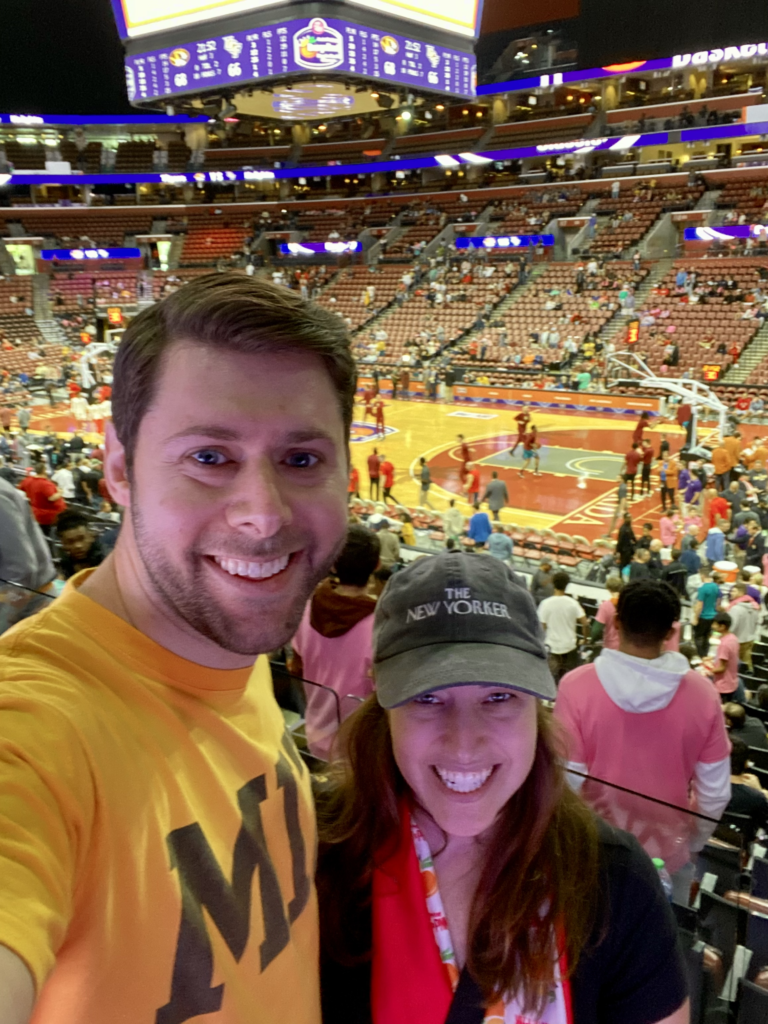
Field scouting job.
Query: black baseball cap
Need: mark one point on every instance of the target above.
(456, 619)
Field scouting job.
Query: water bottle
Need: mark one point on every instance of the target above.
(664, 878)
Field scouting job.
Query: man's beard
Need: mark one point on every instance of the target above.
(187, 597)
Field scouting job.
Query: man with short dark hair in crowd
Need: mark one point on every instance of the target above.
(747, 796)
(724, 668)
(644, 541)
(676, 574)
(76, 443)
(82, 548)
(157, 837)
(642, 719)
(333, 644)
(541, 585)
(705, 608)
(745, 727)
(559, 616)
(389, 542)
(754, 552)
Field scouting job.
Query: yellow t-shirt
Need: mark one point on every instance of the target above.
(157, 837)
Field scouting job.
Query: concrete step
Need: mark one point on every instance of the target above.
(751, 357)
(708, 200)
(51, 331)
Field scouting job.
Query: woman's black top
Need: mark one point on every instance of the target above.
(632, 971)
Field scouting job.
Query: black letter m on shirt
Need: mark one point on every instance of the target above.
(203, 885)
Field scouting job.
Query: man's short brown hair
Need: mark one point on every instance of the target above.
(230, 312)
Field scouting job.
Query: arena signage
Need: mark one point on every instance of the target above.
(726, 232)
(560, 147)
(504, 241)
(714, 56)
(312, 248)
(720, 55)
(34, 120)
(90, 254)
(612, 144)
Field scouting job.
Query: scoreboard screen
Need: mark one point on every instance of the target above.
(138, 18)
(300, 45)
(462, 16)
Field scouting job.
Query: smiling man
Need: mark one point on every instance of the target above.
(156, 829)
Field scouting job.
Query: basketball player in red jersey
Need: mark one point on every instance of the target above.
(465, 454)
(522, 419)
(531, 447)
(378, 408)
(368, 397)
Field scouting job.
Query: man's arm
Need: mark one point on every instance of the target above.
(17, 989)
(711, 785)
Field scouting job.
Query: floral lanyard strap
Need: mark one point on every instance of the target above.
(558, 1010)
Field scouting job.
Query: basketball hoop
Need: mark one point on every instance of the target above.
(628, 369)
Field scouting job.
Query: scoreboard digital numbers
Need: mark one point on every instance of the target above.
(183, 47)
(711, 371)
(315, 44)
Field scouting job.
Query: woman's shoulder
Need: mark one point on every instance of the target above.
(619, 851)
(632, 968)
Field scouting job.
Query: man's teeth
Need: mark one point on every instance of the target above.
(464, 782)
(253, 570)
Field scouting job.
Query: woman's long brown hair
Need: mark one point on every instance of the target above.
(540, 878)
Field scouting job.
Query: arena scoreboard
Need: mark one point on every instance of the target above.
(137, 18)
(184, 47)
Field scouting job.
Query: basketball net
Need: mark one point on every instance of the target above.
(629, 369)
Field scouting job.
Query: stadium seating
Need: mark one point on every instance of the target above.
(345, 295)
(748, 195)
(577, 315)
(72, 226)
(698, 328)
(416, 322)
(634, 212)
(531, 131)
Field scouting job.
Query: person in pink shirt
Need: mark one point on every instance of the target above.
(642, 719)
(332, 647)
(604, 623)
(669, 527)
(725, 667)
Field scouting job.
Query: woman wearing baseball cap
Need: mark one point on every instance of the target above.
(460, 880)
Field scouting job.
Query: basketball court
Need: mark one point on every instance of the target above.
(581, 457)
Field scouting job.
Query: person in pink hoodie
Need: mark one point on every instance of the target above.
(641, 719)
(332, 648)
(669, 527)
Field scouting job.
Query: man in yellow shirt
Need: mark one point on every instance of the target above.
(157, 836)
